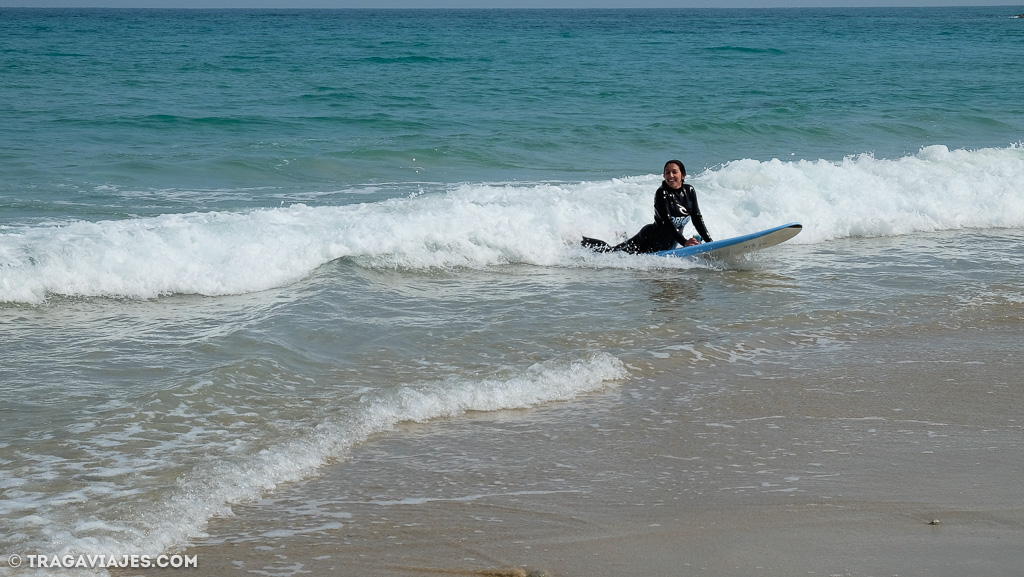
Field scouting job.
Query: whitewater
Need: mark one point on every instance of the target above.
(321, 305)
(489, 224)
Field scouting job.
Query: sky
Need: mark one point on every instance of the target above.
(490, 3)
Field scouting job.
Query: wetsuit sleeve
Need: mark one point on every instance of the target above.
(697, 219)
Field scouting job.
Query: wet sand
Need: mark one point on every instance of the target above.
(897, 454)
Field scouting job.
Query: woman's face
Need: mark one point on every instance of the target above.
(673, 176)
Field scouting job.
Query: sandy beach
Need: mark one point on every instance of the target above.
(898, 455)
(302, 292)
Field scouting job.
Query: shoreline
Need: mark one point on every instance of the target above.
(853, 539)
(824, 486)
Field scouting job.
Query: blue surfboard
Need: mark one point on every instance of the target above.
(731, 247)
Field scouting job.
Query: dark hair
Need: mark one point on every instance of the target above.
(682, 168)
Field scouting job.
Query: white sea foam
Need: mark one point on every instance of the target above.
(481, 225)
(210, 489)
(862, 196)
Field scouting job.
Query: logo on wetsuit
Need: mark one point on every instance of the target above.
(680, 221)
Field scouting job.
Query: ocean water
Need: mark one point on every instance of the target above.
(237, 246)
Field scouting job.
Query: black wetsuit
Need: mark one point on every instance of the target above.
(671, 209)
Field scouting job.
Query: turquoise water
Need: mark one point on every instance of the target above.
(236, 245)
(113, 113)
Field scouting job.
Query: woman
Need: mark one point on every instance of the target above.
(675, 204)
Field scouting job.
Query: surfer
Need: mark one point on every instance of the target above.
(675, 205)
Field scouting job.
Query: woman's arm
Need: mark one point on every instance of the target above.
(698, 220)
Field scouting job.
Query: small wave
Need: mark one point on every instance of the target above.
(745, 49)
(211, 488)
(485, 225)
(937, 189)
(410, 59)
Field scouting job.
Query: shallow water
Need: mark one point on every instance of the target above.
(232, 265)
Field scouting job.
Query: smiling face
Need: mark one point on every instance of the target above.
(673, 176)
